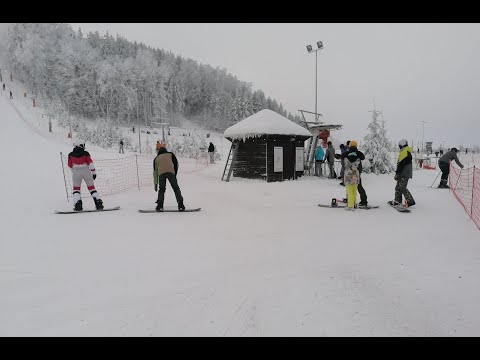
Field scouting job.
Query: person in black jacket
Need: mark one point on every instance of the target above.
(352, 147)
(211, 153)
(165, 166)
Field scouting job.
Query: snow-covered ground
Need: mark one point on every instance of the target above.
(260, 259)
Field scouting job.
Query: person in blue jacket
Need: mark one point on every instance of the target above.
(319, 159)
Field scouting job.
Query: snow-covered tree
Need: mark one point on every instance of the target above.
(376, 148)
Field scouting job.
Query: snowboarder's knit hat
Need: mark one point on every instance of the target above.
(353, 143)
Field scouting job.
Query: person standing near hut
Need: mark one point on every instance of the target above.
(330, 157)
(343, 153)
(319, 159)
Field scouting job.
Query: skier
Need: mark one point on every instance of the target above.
(403, 172)
(81, 164)
(120, 151)
(165, 166)
(351, 179)
(361, 156)
(11, 95)
(444, 165)
(319, 159)
(3, 86)
(211, 152)
(330, 157)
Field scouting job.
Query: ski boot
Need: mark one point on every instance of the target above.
(78, 206)
(181, 207)
(334, 202)
(443, 185)
(98, 204)
(159, 207)
(394, 203)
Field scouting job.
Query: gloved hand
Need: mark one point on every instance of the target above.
(156, 187)
(461, 166)
(94, 176)
(396, 176)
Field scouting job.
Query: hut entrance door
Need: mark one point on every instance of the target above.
(289, 161)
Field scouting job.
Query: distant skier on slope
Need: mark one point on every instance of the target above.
(81, 164)
(444, 165)
(211, 153)
(165, 166)
(403, 172)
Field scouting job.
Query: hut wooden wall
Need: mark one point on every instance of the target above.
(250, 160)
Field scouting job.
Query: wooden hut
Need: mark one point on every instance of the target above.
(268, 146)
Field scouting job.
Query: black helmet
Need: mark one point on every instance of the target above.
(454, 149)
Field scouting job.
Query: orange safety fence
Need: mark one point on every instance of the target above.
(118, 175)
(465, 186)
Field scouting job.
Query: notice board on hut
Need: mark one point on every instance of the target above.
(299, 158)
(278, 159)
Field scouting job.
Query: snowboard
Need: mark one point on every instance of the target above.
(399, 208)
(343, 205)
(167, 210)
(85, 211)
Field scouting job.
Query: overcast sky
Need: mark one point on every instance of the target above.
(415, 72)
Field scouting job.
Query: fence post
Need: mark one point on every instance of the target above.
(138, 178)
(473, 188)
(64, 180)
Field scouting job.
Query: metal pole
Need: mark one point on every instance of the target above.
(423, 131)
(316, 116)
(64, 179)
(138, 125)
(138, 178)
(473, 188)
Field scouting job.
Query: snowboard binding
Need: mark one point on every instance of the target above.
(334, 202)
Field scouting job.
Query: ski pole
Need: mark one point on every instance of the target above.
(435, 179)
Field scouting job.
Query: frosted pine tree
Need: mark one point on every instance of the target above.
(376, 148)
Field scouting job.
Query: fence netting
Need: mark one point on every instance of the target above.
(465, 186)
(118, 175)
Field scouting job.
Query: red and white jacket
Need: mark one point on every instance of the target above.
(79, 158)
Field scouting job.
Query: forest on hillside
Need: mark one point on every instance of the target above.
(117, 82)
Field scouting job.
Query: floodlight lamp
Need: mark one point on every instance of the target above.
(319, 44)
(309, 48)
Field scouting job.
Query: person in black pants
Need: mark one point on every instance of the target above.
(444, 165)
(165, 166)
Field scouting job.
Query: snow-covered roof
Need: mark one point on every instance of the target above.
(265, 122)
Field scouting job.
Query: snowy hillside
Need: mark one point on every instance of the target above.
(260, 259)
